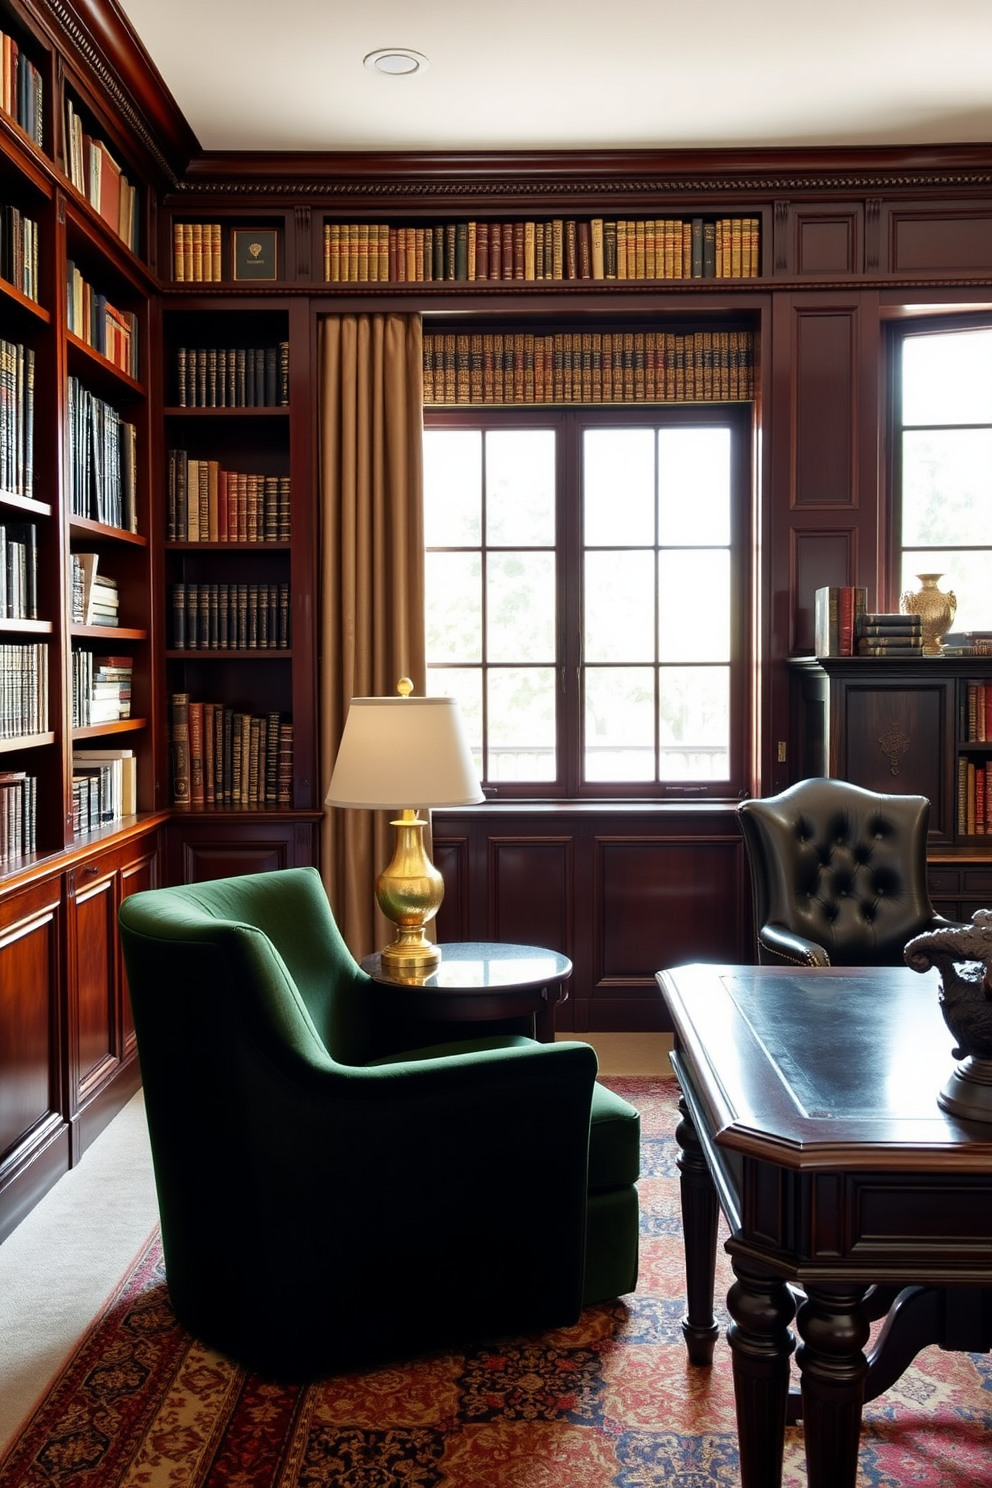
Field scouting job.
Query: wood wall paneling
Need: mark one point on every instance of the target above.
(828, 240)
(530, 890)
(820, 557)
(825, 407)
(941, 239)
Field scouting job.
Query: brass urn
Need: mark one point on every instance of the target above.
(935, 607)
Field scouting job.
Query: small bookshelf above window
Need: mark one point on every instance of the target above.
(568, 367)
(553, 249)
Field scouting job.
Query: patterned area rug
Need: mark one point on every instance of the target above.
(610, 1403)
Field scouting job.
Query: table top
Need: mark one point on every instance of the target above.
(818, 1068)
(467, 964)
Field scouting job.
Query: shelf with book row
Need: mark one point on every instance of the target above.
(97, 174)
(208, 503)
(214, 252)
(554, 249)
(587, 367)
(223, 756)
(102, 327)
(22, 82)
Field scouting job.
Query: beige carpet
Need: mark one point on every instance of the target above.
(63, 1261)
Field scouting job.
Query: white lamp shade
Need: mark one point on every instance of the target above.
(400, 752)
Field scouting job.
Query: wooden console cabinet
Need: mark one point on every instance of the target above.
(903, 727)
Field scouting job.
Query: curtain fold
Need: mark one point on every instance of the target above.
(372, 572)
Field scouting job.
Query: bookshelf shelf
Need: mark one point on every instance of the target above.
(26, 741)
(26, 627)
(107, 634)
(87, 527)
(99, 730)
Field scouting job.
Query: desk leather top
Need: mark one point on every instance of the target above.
(822, 1068)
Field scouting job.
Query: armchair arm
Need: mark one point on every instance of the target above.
(777, 945)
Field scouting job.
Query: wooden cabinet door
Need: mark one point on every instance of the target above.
(94, 1043)
(33, 1133)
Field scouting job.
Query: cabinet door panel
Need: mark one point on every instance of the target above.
(29, 1055)
(135, 877)
(94, 933)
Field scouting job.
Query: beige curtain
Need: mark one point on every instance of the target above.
(372, 572)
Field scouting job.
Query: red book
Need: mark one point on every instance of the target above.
(845, 618)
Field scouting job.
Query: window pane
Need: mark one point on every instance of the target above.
(947, 379)
(619, 607)
(453, 586)
(522, 723)
(947, 486)
(694, 486)
(452, 487)
(520, 487)
(619, 724)
(694, 605)
(520, 621)
(618, 486)
(966, 575)
(465, 684)
(694, 721)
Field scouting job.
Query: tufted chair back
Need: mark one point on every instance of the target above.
(838, 874)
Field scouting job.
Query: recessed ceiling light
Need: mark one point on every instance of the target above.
(396, 61)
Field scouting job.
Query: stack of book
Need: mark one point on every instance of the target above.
(967, 643)
(104, 601)
(101, 688)
(890, 635)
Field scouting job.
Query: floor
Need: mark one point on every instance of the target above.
(64, 1260)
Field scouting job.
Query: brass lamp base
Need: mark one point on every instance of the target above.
(409, 891)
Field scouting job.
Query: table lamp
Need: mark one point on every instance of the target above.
(394, 751)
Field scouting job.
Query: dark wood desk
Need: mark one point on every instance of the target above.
(810, 1117)
(481, 981)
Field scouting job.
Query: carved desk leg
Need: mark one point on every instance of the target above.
(762, 1307)
(834, 1331)
(700, 1217)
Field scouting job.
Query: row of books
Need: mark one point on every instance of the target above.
(206, 503)
(837, 609)
(889, 634)
(23, 689)
(18, 814)
(236, 617)
(974, 798)
(588, 367)
(16, 418)
(19, 250)
(19, 570)
(224, 757)
(22, 90)
(196, 252)
(104, 787)
(232, 376)
(91, 317)
(101, 688)
(98, 177)
(975, 722)
(556, 249)
(102, 460)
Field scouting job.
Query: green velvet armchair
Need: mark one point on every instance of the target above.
(325, 1207)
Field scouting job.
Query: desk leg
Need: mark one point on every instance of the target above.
(700, 1215)
(834, 1331)
(762, 1307)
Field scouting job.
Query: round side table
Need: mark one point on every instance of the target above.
(480, 981)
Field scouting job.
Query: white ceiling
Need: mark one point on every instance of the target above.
(573, 74)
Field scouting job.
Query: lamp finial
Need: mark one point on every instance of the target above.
(404, 687)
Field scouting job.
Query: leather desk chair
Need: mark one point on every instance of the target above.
(838, 874)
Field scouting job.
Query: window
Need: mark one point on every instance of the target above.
(943, 463)
(585, 595)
